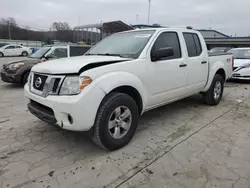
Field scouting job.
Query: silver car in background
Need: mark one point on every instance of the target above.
(241, 63)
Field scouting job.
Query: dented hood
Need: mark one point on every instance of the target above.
(74, 64)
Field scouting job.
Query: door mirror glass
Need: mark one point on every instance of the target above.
(163, 53)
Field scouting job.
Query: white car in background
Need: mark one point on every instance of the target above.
(241, 63)
(14, 50)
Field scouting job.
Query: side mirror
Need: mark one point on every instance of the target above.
(163, 53)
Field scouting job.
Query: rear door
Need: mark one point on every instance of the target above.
(197, 60)
(19, 50)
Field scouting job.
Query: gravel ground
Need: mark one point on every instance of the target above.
(184, 144)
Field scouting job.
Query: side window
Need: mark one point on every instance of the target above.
(197, 44)
(18, 47)
(10, 47)
(193, 44)
(168, 39)
(78, 50)
(59, 53)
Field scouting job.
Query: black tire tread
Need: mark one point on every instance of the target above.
(23, 78)
(208, 96)
(95, 132)
(25, 53)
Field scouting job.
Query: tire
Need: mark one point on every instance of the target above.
(25, 78)
(24, 54)
(1, 54)
(106, 137)
(210, 97)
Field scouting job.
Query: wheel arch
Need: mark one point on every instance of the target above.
(132, 92)
(125, 83)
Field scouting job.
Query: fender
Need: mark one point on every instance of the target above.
(213, 69)
(111, 81)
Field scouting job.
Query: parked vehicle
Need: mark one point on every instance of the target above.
(14, 50)
(241, 63)
(18, 72)
(220, 49)
(2, 44)
(123, 76)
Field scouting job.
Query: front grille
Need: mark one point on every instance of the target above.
(56, 85)
(39, 81)
(236, 75)
(44, 85)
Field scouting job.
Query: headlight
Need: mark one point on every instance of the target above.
(73, 85)
(15, 66)
(29, 79)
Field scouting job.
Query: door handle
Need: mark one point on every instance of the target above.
(182, 65)
(203, 62)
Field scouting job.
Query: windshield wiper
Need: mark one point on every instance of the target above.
(89, 54)
(106, 54)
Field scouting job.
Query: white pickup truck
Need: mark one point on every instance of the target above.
(123, 76)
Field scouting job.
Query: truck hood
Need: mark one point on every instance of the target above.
(240, 62)
(74, 64)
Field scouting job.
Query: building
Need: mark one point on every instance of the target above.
(215, 38)
(93, 33)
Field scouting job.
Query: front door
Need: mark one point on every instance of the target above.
(9, 51)
(168, 75)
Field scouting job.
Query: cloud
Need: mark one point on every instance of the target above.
(227, 16)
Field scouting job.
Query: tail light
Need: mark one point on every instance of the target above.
(232, 62)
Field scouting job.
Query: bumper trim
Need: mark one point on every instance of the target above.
(42, 114)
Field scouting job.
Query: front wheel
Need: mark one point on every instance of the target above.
(1, 54)
(214, 94)
(116, 121)
(25, 78)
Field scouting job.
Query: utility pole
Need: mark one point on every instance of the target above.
(137, 17)
(78, 21)
(9, 30)
(210, 24)
(149, 7)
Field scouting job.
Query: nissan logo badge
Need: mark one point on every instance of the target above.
(38, 82)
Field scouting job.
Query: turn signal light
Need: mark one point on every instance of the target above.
(85, 82)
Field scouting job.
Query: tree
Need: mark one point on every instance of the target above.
(60, 26)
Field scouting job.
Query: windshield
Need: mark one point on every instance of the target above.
(40, 53)
(129, 44)
(241, 53)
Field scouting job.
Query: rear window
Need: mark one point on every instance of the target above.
(78, 50)
(193, 44)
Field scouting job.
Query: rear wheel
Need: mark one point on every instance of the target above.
(214, 94)
(24, 54)
(116, 121)
(1, 54)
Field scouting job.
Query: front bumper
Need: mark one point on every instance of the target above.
(75, 113)
(241, 74)
(9, 78)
